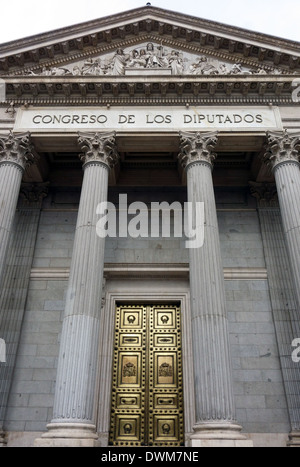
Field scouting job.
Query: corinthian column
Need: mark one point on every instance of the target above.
(16, 153)
(73, 421)
(283, 156)
(215, 408)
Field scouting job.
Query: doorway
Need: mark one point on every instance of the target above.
(147, 387)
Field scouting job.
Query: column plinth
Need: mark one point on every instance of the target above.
(215, 408)
(74, 412)
(294, 439)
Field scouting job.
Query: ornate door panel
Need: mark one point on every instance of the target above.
(147, 398)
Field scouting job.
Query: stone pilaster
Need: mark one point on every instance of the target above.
(284, 303)
(283, 157)
(73, 422)
(16, 153)
(16, 277)
(215, 408)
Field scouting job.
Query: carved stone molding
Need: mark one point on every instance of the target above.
(165, 90)
(98, 148)
(17, 149)
(265, 194)
(197, 148)
(282, 148)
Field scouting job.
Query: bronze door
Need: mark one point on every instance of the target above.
(147, 392)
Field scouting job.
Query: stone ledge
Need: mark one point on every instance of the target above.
(146, 270)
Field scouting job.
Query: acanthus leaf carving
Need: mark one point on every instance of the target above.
(197, 147)
(265, 194)
(34, 192)
(282, 147)
(17, 149)
(98, 147)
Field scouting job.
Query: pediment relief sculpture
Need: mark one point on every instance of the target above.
(151, 59)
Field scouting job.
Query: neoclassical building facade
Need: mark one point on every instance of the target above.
(150, 235)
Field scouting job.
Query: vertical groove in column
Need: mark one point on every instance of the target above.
(212, 363)
(106, 356)
(10, 182)
(78, 360)
(288, 186)
(14, 293)
(284, 305)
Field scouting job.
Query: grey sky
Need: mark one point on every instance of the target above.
(22, 18)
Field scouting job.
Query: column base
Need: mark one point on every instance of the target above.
(2, 439)
(68, 435)
(219, 435)
(294, 439)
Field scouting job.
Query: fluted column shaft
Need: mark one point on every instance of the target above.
(15, 280)
(284, 303)
(283, 156)
(16, 153)
(212, 363)
(77, 367)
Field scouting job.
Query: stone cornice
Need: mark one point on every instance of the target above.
(74, 90)
(111, 32)
(149, 270)
(151, 13)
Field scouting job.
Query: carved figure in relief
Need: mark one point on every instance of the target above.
(176, 63)
(119, 62)
(59, 71)
(45, 71)
(129, 370)
(155, 59)
(92, 67)
(76, 71)
(165, 370)
(166, 428)
(261, 71)
(127, 428)
(138, 59)
(203, 67)
(238, 70)
(224, 69)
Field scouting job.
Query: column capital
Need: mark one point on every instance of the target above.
(197, 148)
(283, 147)
(265, 194)
(34, 193)
(17, 149)
(98, 148)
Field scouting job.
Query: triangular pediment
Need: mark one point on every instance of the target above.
(182, 45)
